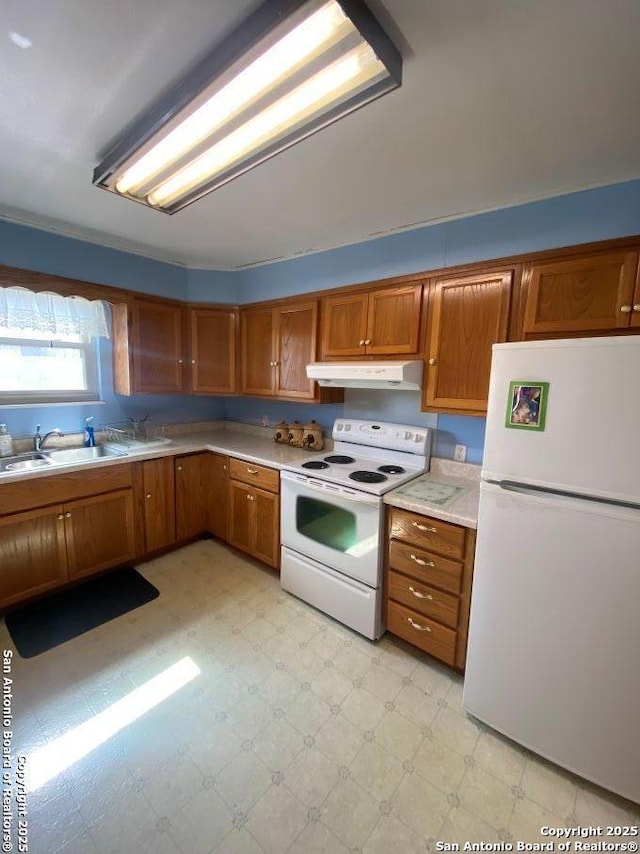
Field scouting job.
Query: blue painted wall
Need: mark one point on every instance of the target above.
(33, 249)
(582, 217)
(212, 286)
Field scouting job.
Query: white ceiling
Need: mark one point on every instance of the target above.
(503, 101)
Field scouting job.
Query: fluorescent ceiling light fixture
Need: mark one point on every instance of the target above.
(292, 68)
(60, 754)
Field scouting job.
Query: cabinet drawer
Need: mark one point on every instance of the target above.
(57, 488)
(429, 533)
(429, 568)
(255, 475)
(426, 600)
(422, 632)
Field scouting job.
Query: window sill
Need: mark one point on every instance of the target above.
(56, 403)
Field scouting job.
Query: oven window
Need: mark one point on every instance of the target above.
(326, 524)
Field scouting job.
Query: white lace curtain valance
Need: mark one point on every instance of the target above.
(52, 313)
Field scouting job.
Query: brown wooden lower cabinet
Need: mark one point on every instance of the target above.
(158, 499)
(254, 515)
(43, 549)
(99, 532)
(145, 506)
(218, 495)
(192, 495)
(33, 553)
(427, 584)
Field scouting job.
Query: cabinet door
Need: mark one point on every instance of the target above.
(241, 516)
(32, 553)
(213, 350)
(258, 369)
(635, 317)
(393, 321)
(192, 495)
(218, 495)
(344, 325)
(266, 510)
(580, 294)
(467, 316)
(99, 532)
(157, 345)
(159, 503)
(295, 335)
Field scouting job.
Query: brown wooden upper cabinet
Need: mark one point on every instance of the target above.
(149, 345)
(374, 323)
(589, 293)
(277, 345)
(213, 339)
(467, 315)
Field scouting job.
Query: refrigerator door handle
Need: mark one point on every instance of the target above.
(557, 495)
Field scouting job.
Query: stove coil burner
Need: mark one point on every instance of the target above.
(368, 476)
(391, 469)
(339, 459)
(315, 464)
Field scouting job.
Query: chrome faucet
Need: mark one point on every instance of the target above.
(38, 440)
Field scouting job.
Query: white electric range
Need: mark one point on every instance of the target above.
(332, 517)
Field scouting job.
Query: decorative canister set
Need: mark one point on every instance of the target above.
(307, 436)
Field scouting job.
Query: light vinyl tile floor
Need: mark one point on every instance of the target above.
(297, 735)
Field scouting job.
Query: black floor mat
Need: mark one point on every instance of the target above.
(49, 622)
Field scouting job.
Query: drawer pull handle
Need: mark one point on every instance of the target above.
(424, 528)
(625, 309)
(420, 595)
(417, 626)
(421, 562)
(361, 342)
(636, 307)
(60, 516)
(252, 471)
(67, 515)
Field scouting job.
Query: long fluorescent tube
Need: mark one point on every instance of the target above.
(358, 67)
(316, 32)
(293, 67)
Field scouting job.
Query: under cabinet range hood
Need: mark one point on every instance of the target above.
(405, 376)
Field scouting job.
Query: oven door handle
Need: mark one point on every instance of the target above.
(330, 489)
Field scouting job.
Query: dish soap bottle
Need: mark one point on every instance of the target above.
(89, 437)
(6, 442)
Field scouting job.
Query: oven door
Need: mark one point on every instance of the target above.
(337, 526)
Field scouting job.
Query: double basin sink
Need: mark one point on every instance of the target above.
(64, 456)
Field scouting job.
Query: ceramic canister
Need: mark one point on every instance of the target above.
(295, 434)
(312, 436)
(281, 433)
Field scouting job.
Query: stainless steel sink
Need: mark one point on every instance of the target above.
(82, 455)
(25, 462)
(62, 456)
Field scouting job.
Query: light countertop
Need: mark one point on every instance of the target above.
(235, 440)
(449, 491)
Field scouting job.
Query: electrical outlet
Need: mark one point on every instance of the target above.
(265, 421)
(460, 453)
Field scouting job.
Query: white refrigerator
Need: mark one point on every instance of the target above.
(554, 640)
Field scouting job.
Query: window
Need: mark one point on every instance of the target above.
(48, 347)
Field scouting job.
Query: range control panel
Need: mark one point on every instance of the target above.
(382, 434)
